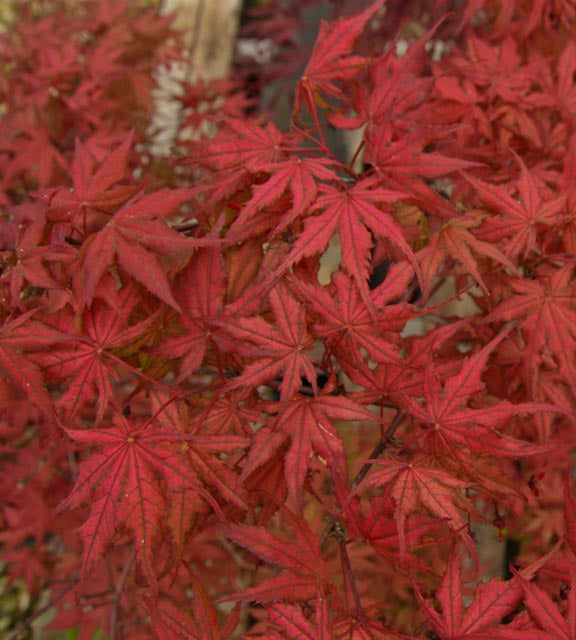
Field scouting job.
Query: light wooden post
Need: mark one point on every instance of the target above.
(210, 28)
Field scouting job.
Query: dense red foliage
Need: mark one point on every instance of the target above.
(208, 433)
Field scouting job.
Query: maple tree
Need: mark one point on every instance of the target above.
(207, 429)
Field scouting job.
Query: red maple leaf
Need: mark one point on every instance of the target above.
(354, 214)
(377, 526)
(127, 484)
(558, 93)
(199, 290)
(346, 324)
(396, 88)
(330, 60)
(415, 487)
(34, 153)
(308, 423)
(553, 621)
(457, 240)
(134, 238)
(294, 625)
(89, 364)
(480, 620)
(303, 576)
(173, 621)
(455, 430)
(518, 221)
(20, 338)
(92, 195)
(300, 175)
(25, 256)
(544, 310)
(242, 146)
(282, 348)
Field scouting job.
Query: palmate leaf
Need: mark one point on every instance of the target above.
(354, 214)
(281, 348)
(92, 194)
(19, 336)
(172, 621)
(135, 238)
(345, 322)
(378, 527)
(518, 221)
(480, 620)
(27, 256)
(199, 290)
(128, 480)
(300, 175)
(544, 310)
(551, 621)
(308, 424)
(454, 430)
(331, 61)
(304, 576)
(242, 146)
(293, 625)
(456, 240)
(87, 362)
(396, 88)
(416, 487)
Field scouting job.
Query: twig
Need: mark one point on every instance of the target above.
(379, 448)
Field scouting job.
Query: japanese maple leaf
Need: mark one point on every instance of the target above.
(303, 576)
(199, 290)
(567, 186)
(518, 221)
(243, 146)
(406, 164)
(553, 621)
(134, 238)
(92, 190)
(416, 487)
(499, 68)
(560, 93)
(34, 153)
(308, 423)
(405, 158)
(127, 483)
(544, 310)
(481, 619)
(346, 323)
(279, 349)
(331, 61)
(224, 414)
(89, 364)
(25, 260)
(455, 429)
(300, 175)
(56, 67)
(378, 527)
(398, 381)
(456, 240)
(396, 87)
(20, 338)
(174, 622)
(353, 214)
(293, 624)
(236, 155)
